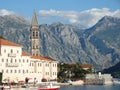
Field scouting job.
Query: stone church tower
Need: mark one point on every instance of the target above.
(34, 36)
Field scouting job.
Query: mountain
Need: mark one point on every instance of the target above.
(98, 45)
(105, 37)
(114, 70)
(15, 29)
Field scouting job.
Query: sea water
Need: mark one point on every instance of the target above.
(83, 87)
(91, 87)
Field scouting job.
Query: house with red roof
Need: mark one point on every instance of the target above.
(16, 65)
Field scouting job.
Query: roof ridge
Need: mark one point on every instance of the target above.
(8, 43)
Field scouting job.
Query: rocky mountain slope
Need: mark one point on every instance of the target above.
(98, 45)
(16, 29)
(114, 70)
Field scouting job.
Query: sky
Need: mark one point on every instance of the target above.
(84, 13)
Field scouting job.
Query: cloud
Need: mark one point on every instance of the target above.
(85, 18)
(4, 12)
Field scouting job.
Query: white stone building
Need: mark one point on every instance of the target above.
(16, 65)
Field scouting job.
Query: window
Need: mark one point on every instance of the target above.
(7, 60)
(55, 65)
(11, 71)
(2, 71)
(2, 60)
(15, 71)
(6, 71)
(46, 64)
(36, 34)
(4, 50)
(11, 51)
(19, 60)
(40, 64)
(15, 60)
(11, 61)
(23, 60)
(27, 60)
(26, 71)
(32, 64)
(55, 73)
(23, 71)
(33, 47)
(36, 46)
(19, 71)
(33, 34)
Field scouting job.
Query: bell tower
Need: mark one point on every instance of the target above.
(34, 36)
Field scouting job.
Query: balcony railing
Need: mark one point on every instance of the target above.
(11, 55)
(12, 64)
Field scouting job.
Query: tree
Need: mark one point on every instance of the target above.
(69, 71)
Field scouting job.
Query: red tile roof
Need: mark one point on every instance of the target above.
(8, 43)
(83, 65)
(42, 58)
(86, 65)
(25, 54)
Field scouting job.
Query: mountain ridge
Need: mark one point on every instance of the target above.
(98, 45)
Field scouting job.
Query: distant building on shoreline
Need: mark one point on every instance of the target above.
(84, 66)
(16, 65)
(98, 79)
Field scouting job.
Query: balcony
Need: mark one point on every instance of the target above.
(12, 64)
(11, 55)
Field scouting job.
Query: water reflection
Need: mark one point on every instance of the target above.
(84, 87)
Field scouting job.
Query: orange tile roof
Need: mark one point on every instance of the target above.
(25, 54)
(42, 58)
(86, 65)
(8, 43)
(83, 65)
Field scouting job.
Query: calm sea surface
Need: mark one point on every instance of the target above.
(84, 87)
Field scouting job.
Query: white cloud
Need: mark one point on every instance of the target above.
(85, 18)
(116, 13)
(4, 12)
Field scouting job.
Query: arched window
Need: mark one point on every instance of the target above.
(36, 34)
(33, 34)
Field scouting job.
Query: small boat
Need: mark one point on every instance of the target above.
(48, 86)
(116, 81)
(5, 88)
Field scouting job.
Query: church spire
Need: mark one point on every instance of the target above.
(34, 36)
(34, 20)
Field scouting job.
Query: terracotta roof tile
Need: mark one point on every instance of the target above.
(42, 58)
(83, 65)
(25, 54)
(86, 65)
(8, 43)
